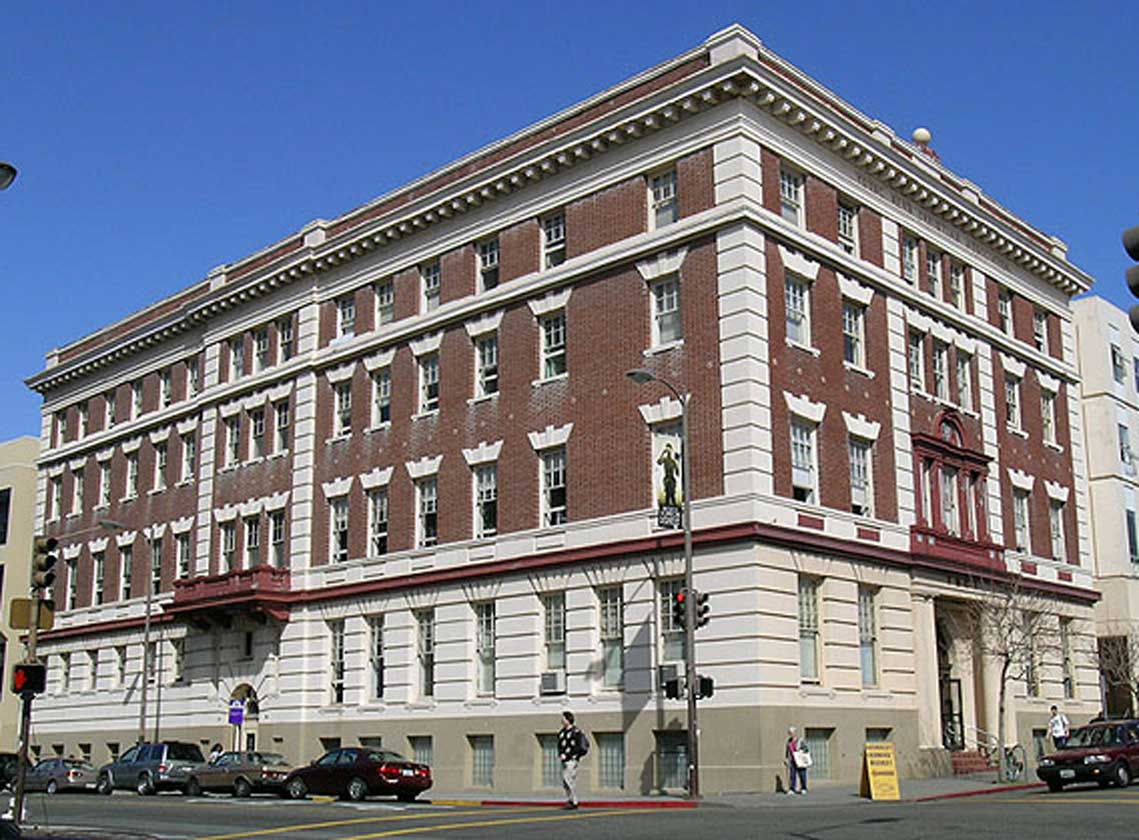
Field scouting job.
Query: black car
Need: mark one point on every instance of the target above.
(358, 772)
(149, 768)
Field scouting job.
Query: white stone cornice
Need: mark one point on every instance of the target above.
(125, 538)
(484, 453)
(337, 487)
(859, 426)
(662, 264)
(162, 433)
(226, 513)
(131, 445)
(70, 552)
(918, 321)
(98, 544)
(551, 302)
(154, 532)
(182, 525)
(187, 426)
(77, 463)
(229, 409)
(853, 290)
(55, 470)
(799, 263)
(487, 322)
(667, 410)
(280, 392)
(1056, 492)
(255, 401)
(104, 455)
(964, 343)
(423, 467)
(340, 373)
(275, 502)
(1048, 383)
(429, 343)
(1021, 480)
(376, 478)
(1012, 366)
(379, 360)
(550, 437)
(251, 507)
(802, 406)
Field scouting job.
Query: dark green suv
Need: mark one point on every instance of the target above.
(149, 768)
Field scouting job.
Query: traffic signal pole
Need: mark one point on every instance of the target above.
(26, 716)
(689, 609)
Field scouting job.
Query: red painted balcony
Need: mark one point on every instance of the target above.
(955, 553)
(261, 592)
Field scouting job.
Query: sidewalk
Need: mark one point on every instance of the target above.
(830, 793)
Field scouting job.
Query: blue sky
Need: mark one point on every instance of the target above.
(157, 140)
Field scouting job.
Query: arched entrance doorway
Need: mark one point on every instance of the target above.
(245, 733)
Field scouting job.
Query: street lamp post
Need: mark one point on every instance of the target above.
(641, 376)
(112, 525)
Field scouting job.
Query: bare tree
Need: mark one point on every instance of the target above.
(1119, 658)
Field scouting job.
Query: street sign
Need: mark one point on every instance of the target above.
(237, 712)
(668, 517)
(20, 615)
(879, 772)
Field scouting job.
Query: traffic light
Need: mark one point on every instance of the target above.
(43, 559)
(672, 688)
(679, 609)
(705, 687)
(29, 678)
(1131, 245)
(702, 609)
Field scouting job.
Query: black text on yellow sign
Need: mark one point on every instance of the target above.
(880, 772)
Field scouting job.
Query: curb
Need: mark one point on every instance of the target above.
(960, 794)
(587, 803)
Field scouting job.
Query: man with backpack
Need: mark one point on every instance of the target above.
(572, 747)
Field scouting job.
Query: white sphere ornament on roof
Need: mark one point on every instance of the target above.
(922, 136)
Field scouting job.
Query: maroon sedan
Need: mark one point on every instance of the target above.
(358, 772)
(1107, 753)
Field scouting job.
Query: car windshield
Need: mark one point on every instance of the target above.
(272, 759)
(1093, 736)
(185, 752)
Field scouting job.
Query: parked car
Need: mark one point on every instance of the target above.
(243, 773)
(55, 774)
(149, 768)
(1107, 753)
(8, 764)
(357, 772)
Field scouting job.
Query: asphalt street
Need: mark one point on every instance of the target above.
(1076, 813)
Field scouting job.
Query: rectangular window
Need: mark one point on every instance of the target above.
(99, 564)
(610, 760)
(281, 424)
(791, 196)
(57, 498)
(933, 269)
(257, 433)
(76, 492)
(377, 522)
(854, 334)
(1056, 529)
(285, 345)
(65, 672)
(667, 327)
(910, 260)
(554, 501)
(554, 240)
(336, 661)
(136, 400)
(1012, 402)
(1135, 368)
(429, 383)
(343, 394)
(554, 621)
(109, 409)
(965, 380)
(482, 760)
(486, 500)
(260, 349)
(427, 503)
(1117, 369)
(484, 646)
(665, 209)
(228, 532)
(160, 462)
(950, 518)
(868, 636)
(808, 629)
(83, 419)
(797, 298)
(1125, 447)
(165, 389)
(818, 745)
(486, 359)
(1040, 330)
(338, 529)
(488, 264)
(59, 428)
(1004, 310)
(236, 358)
(277, 538)
(1067, 667)
(252, 527)
(1048, 416)
(430, 277)
(422, 749)
(126, 571)
(132, 475)
(376, 655)
(185, 557)
(553, 345)
(551, 761)
(177, 660)
(346, 316)
(671, 630)
(957, 285)
(672, 758)
(1031, 655)
(104, 488)
(385, 303)
(189, 457)
(1020, 519)
(848, 228)
(71, 594)
(861, 478)
(1132, 535)
(232, 440)
(156, 547)
(381, 397)
(425, 651)
(940, 370)
(612, 624)
(120, 665)
(803, 461)
(193, 377)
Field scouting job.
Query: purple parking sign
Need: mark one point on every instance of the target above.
(236, 712)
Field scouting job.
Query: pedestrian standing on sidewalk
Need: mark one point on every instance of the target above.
(798, 760)
(1059, 728)
(572, 747)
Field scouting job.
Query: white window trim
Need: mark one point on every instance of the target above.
(1021, 480)
(1056, 492)
(799, 263)
(337, 487)
(853, 290)
(550, 303)
(488, 322)
(550, 437)
(376, 479)
(805, 407)
(380, 360)
(425, 467)
(484, 453)
(662, 264)
(858, 426)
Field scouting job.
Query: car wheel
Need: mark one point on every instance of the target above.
(297, 789)
(104, 786)
(242, 788)
(357, 789)
(52, 787)
(193, 787)
(1121, 775)
(145, 785)
(407, 797)
(1055, 786)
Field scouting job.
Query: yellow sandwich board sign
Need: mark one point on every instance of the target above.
(879, 772)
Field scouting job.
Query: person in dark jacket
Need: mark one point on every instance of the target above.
(572, 746)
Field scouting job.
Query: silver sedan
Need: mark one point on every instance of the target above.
(58, 774)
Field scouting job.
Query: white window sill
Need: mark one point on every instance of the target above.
(1013, 430)
(185, 482)
(968, 412)
(155, 491)
(379, 427)
(918, 392)
(427, 705)
(537, 383)
(433, 412)
(816, 690)
(483, 701)
(1055, 447)
(663, 348)
(341, 438)
(814, 351)
(342, 339)
(128, 498)
(282, 453)
(74, 514)
(103, 506)
(482, 399)
(853, 368)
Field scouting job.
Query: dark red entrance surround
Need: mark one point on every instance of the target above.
(262, 592)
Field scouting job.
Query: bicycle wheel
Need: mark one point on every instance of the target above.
(1016, 761)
